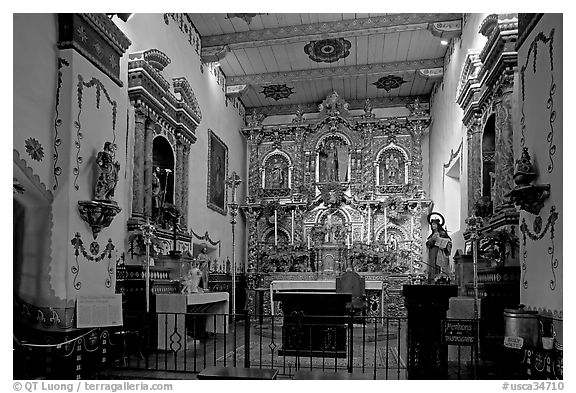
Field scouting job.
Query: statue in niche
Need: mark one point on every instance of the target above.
(107, 174)
(277, 176)
(156, 193)
(392, 242)
(391, 169)
(333, 161)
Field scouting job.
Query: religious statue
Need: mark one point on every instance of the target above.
(107, 177)
(191, 281)
(277, 176)
(332, 162)
(392, 242)
(204, 264)
(439, 247)
(392, 168)
(156, 192)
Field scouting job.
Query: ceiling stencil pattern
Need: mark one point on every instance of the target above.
(328, 51)
(386, 58)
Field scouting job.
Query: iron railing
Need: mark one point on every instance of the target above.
(377, 346)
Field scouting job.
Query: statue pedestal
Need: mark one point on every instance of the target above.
(427, 306)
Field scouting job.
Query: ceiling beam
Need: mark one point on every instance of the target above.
(309, 32)
(336, 72)
(380, 102)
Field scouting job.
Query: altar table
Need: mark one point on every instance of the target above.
(316, 286)
(176, 303)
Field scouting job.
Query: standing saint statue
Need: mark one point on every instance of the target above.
(439, 246)
(277, 176)
(107, 177)
(392, 168)
(156, 193)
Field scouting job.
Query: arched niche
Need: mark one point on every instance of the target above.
(163, 162)
(333, 158)
(488, 149)
(395, 237)
(276, 171)
(268, 237)
(392, 165)
(335, 223)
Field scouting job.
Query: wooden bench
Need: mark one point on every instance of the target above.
(214, 372)
(307, 374)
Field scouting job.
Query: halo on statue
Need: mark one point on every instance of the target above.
(435, 216)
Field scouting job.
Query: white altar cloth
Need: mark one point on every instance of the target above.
(177, 303)
(320, 285)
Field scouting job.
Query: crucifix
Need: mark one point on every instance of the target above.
(233, 182)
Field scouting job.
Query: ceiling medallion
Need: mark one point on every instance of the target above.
(389, 82)
(328, 50)
(277, 91)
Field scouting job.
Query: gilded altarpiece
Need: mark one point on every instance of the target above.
(337, 192)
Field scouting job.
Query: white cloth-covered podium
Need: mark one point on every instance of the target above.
(175, 305)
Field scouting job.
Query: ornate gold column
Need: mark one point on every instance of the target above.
(148, 167)
(474, 136)
(504, 154)
(179, 175)
(138, 171)
(185, 182)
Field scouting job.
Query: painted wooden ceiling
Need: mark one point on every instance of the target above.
(290, 59)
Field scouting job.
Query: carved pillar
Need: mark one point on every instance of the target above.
(148, 163)
(298, 172)
(474, 134)
(252, 214)
(367, 159)
(254, 173)
(138, 172)
(417, 132)
(504, 154)
(185, 183)
(179, 175)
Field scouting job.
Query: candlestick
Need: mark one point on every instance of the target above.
(275, 227)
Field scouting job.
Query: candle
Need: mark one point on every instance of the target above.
(275, 227)
(308, 241)
(292, 228)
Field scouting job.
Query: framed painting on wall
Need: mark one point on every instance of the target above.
(217, 173)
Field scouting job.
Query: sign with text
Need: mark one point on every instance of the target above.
(458, 332)
(99, 311)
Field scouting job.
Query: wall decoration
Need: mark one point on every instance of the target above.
(277, 91)
(550, 102)
(217, 173)
(57, 123)
(538, 234)
(106, 253)
(94, 82)
(328, 50)
(34, 149)
(187, 27)
(389, 82)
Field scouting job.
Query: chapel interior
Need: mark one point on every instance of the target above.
(288, 196)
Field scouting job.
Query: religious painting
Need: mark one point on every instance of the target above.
(333, 161)
(392, 170)
(217, 173)
(276, 173)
